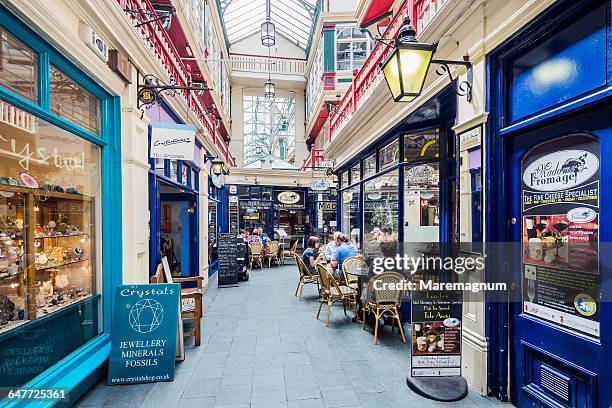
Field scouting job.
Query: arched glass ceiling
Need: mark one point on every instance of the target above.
(293, 18)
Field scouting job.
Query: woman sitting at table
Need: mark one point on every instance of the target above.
(311, 254)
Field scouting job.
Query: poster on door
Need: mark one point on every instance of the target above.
(436, 333)
(560, 233)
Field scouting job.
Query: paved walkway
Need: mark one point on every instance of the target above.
(263, 348)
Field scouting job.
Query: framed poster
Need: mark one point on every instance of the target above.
(560, 232)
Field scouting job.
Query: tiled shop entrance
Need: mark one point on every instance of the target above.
(264, 348)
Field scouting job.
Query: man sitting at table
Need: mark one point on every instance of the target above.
(331, 247)
(343, 251)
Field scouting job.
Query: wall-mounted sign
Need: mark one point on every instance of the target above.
(326, 206)
(560, 233)
(216, 180)
(436, 333)
(120, 65)
(289, 199)
(319, 185)
(233, 215)
(233, 189)
(93, 41)
(172, 141)
(256, 204)
(143, 339)
(326, 164)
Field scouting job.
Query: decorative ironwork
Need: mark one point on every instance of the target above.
(463, 88)
(162, 14)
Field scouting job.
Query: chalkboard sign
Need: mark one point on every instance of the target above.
(227, 251)
(143, 339)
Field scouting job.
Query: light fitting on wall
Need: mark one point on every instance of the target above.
(406, 68)
(161, 12)
(151, 88)
(217, 166)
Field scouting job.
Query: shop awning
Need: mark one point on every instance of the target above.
(376, 11)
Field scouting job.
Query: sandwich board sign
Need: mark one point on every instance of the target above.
(143, 338)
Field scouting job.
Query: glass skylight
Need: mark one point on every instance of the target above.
(293, 18)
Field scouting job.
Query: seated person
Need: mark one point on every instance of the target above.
(311, 254)
(343, 251)
(254, 237)
(331, 247)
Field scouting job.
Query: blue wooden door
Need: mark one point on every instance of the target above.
(559, 187)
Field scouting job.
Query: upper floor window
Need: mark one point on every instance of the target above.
(18, 67)
(352, 48)
(71, 101)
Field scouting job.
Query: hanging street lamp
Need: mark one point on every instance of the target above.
(269, 89)
(405, 69)
(268, 33)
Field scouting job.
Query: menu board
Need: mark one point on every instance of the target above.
(227, 266)
(143, 339)
(436, 333)
(560, 233)
(233, 215)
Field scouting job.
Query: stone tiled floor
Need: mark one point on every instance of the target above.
(264, 348)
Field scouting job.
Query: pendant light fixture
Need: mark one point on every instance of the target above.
(269, 88)
(268, 29)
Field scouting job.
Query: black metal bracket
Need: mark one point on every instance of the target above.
(160, 15)
(463, 88)
(152, 88)
(331, 108)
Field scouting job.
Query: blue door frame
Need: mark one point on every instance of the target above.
(511, 132)
(79, 370)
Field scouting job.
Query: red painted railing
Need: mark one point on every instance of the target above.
(160, 44)
(369, 73)
(313, 159)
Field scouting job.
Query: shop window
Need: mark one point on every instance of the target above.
(344, 179)
(49, 206)
(355, 174)
(369, 166)
(174, 170)
(422, 203)
(18, 67)
(160, 165)
(388, 155)
(184, 171)
(266, 193)
(352, 48)
(350, 213)
(422, 145)
(380, 207)
(195, 180)
(470, 191)
(72, 102)
(244, 192)
(255, 193)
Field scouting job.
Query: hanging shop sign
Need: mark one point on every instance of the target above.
(143, 339)
(172, 141)
(560, 233)
(436, 333)
(423, 174)
(216, 180)
(289, 199)
(233, 215)
(227, 251)
(326, 206)
(319, 185)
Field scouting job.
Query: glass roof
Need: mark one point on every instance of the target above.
(292, 18)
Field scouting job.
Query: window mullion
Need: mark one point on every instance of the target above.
(44, 91)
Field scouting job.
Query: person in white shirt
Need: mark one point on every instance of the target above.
(330, 249)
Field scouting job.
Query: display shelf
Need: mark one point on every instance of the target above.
(80, 234)
(61, 264)
(49, 194)
(11, 325)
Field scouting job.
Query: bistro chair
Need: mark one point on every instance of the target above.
(353, 263)
(290, 252)
(332, 292)
(255, 254)
(305, 275)
(272, 254)
(384, 301)
(191, 300)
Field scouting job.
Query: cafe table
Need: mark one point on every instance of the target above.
(362, 276)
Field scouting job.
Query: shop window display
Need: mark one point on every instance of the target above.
(18, 67)
(350, 213)
(355, 174)
(49, 187)
(369, 166)
(422, 203)
(380, 212)
(388, 155)
(422, 145)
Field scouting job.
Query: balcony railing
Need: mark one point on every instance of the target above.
(369, 75)
(160, 44)
(313, 159)
(262, 63)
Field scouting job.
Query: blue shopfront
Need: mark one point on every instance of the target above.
(549, 137)
(173, 203)
(60, 216)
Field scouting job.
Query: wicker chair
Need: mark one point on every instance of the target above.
(289, 253)
(351, 264)
(332, 292)
(384, 301)
(255, 254)
(306, 276)
(272, 255)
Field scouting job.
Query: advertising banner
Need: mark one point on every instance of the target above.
(436, 333)
(143, 339)
(172, 141)
(560, 233)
